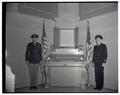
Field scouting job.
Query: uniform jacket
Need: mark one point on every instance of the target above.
(33, 53)
(100, 53)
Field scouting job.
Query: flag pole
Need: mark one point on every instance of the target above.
(41, 66)
(44, 62)
(86, 39)
(87, 67)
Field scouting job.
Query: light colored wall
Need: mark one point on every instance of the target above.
(107, 26)
(19, 28)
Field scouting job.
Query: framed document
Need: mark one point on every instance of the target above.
(65, 38)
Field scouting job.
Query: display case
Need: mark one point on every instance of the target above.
(66, 45)
(65, 64)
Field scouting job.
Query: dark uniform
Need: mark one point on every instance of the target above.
(99, 57)
(33, 57)
(34, 53)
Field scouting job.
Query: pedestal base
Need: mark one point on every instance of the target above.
(66, 74)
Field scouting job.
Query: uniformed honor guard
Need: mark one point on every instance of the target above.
(33, 59)
(99, 61)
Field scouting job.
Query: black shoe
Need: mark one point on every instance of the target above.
(31, 87)
(100, 88)
(95, 88)
(35, 87)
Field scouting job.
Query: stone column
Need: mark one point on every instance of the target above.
(68, 15)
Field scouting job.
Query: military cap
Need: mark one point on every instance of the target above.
(98, 36)
(34, 36)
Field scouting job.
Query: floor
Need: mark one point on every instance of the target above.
(64, 90)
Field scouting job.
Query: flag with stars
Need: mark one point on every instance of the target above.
(44, 41)
(89, 52)
(88, 46)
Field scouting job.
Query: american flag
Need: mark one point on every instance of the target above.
(88, 45)
(45, 48)
(44, 41)
(89, 51)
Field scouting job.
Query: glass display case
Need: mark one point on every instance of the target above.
(66, 45)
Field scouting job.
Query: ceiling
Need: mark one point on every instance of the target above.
(50, 10)
(88, 10)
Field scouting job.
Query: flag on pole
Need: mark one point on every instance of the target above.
(44, 40)
(45, 48)
(88, 45)
(89, 51)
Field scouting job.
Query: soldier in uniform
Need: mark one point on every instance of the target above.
(33, 59)
(99, 60)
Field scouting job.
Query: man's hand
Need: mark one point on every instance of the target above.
(43, 64)
(27, 62)
(87, 66)
(40, 63)
(103, 65)
(92, 64)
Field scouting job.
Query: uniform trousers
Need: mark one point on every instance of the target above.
(99, 75)
(33, 70)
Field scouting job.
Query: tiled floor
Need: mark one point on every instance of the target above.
(64, 90)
